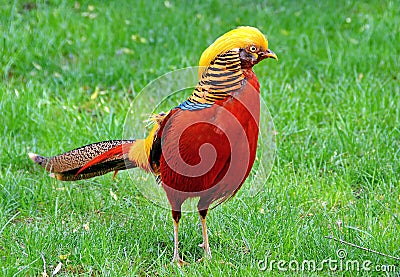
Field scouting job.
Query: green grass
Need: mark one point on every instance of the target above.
(334, 96)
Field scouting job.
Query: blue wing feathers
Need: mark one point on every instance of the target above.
(192, 106)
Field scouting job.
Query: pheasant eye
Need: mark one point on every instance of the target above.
(253, 48)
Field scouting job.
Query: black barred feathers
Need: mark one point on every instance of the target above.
(219, 80)
(66, 166)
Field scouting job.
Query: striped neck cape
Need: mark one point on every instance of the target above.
(222, 77)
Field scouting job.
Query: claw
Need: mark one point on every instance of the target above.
(179, 262)
(207, 254)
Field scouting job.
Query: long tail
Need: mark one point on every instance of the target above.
(88, 161)
(102, 157)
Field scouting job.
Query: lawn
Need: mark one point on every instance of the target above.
(69, 72)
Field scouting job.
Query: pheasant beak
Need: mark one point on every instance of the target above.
(268, 54)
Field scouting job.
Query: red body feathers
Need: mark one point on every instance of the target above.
(216, 153)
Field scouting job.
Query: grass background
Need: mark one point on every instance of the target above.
(69, 71)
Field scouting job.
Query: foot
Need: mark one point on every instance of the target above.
(207, 252)
(178, 261)
(205, 258)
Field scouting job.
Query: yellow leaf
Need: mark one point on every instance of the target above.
(62, 189)
(124, 50)
(86, 226)
(94, 94)
(113, 195)
(37, 66)
(64, 257)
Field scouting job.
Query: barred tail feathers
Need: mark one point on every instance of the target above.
(102, 157)
(88, 161)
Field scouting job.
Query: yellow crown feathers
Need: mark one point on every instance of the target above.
(240, 37)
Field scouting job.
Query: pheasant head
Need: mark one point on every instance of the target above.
(249, 41)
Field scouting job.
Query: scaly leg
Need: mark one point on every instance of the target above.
(176, 259)
(205, 244)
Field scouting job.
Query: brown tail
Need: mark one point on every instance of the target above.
(88, 161)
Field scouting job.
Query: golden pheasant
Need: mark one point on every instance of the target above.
(205, 147)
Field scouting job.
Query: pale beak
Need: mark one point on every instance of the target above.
(269, 54)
